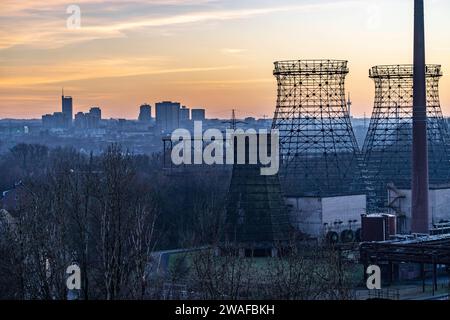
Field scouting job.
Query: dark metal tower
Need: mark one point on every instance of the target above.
(388, 145)
(318, 149)
(257, 217)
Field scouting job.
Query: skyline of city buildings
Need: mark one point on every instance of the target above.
(168, 115)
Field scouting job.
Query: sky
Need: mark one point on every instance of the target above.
(215, 54)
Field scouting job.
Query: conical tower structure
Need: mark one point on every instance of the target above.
(319, 152)
(257, 217)
(388, 145)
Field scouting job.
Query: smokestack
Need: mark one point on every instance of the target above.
(419, 206)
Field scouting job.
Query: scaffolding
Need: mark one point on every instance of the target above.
(318, 150)
(388, 145)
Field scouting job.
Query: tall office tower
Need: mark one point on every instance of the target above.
(198, 114)
(184, 114)
(168, 115)
(319, 153)
(388, 145)
(145, 113)
(67, 110)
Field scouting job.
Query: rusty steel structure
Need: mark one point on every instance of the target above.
(429, 251)
(388, 146)
(318, 149)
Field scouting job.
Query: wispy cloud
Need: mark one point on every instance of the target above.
(27, 7)
(233, 51)
(51, 32)
(16, 76)
(224, 82)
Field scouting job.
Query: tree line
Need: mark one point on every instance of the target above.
(110, 213)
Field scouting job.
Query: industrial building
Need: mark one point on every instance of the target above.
(406, 149)
(319, 217)
(400, 205)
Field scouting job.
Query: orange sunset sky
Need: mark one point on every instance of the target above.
(216, 54)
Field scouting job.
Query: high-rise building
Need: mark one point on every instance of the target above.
(167, 115)
(90, 120)
(67, 110)
(198, 114)
(145, 113)
(184, 114)
(96, 112)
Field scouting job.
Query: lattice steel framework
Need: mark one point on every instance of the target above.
(319, 152)
(388, 144)
(257, 216)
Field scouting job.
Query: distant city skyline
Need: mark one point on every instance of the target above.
(210, 53)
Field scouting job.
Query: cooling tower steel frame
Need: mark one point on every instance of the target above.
(318, 150)
(388, 145)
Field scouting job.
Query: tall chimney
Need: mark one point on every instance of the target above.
(419, 206)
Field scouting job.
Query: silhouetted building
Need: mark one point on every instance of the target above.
(67, 110)
(145, 113)
(47, 121)
(249, 120)
(184, 114)
(96, 112)
(58, 120)
(80, 120)
(198, 114)
(89, 120)
(168, 115)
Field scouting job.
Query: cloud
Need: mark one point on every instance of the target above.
(48, 31)
(32, 75)
(232, 51)
(224, 82)
(27, 7)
